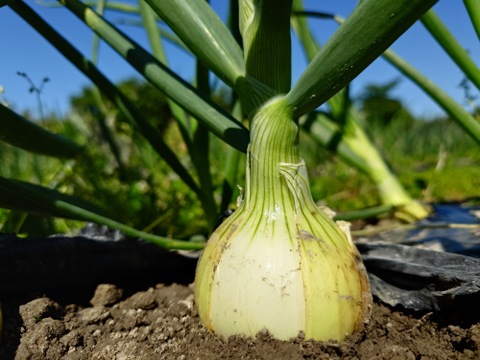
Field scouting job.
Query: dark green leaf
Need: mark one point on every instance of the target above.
(371, 28)
(28, 197)
(202, 31)
(19, 195)
(25, 134)
(213, 117)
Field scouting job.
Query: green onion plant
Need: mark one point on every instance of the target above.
(279, 262)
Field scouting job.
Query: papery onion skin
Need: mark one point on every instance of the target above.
(279, 263)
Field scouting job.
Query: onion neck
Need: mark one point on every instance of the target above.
(274, 140)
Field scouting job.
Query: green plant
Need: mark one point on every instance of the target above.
(456, 52)
(340, 129)
(278, 251)
(465, 119)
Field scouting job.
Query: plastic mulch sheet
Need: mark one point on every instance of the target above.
(428, 267)
(431, 267)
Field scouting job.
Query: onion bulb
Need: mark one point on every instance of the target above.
(279, 262)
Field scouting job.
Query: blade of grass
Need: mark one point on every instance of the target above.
(218, 121)
(452, 47)
(370, 29)
(24, 134)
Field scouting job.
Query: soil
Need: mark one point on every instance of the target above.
(160, 322)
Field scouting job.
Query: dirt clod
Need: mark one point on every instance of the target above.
(38, 309)
(106, 294)
(161, 323)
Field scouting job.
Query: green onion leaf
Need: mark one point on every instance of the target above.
(369, 30)
(25, 134)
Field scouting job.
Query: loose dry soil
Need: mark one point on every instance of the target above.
(161, 323)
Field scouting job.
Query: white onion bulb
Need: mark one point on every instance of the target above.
(279, 263)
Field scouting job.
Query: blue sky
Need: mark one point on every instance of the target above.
(23, 50)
